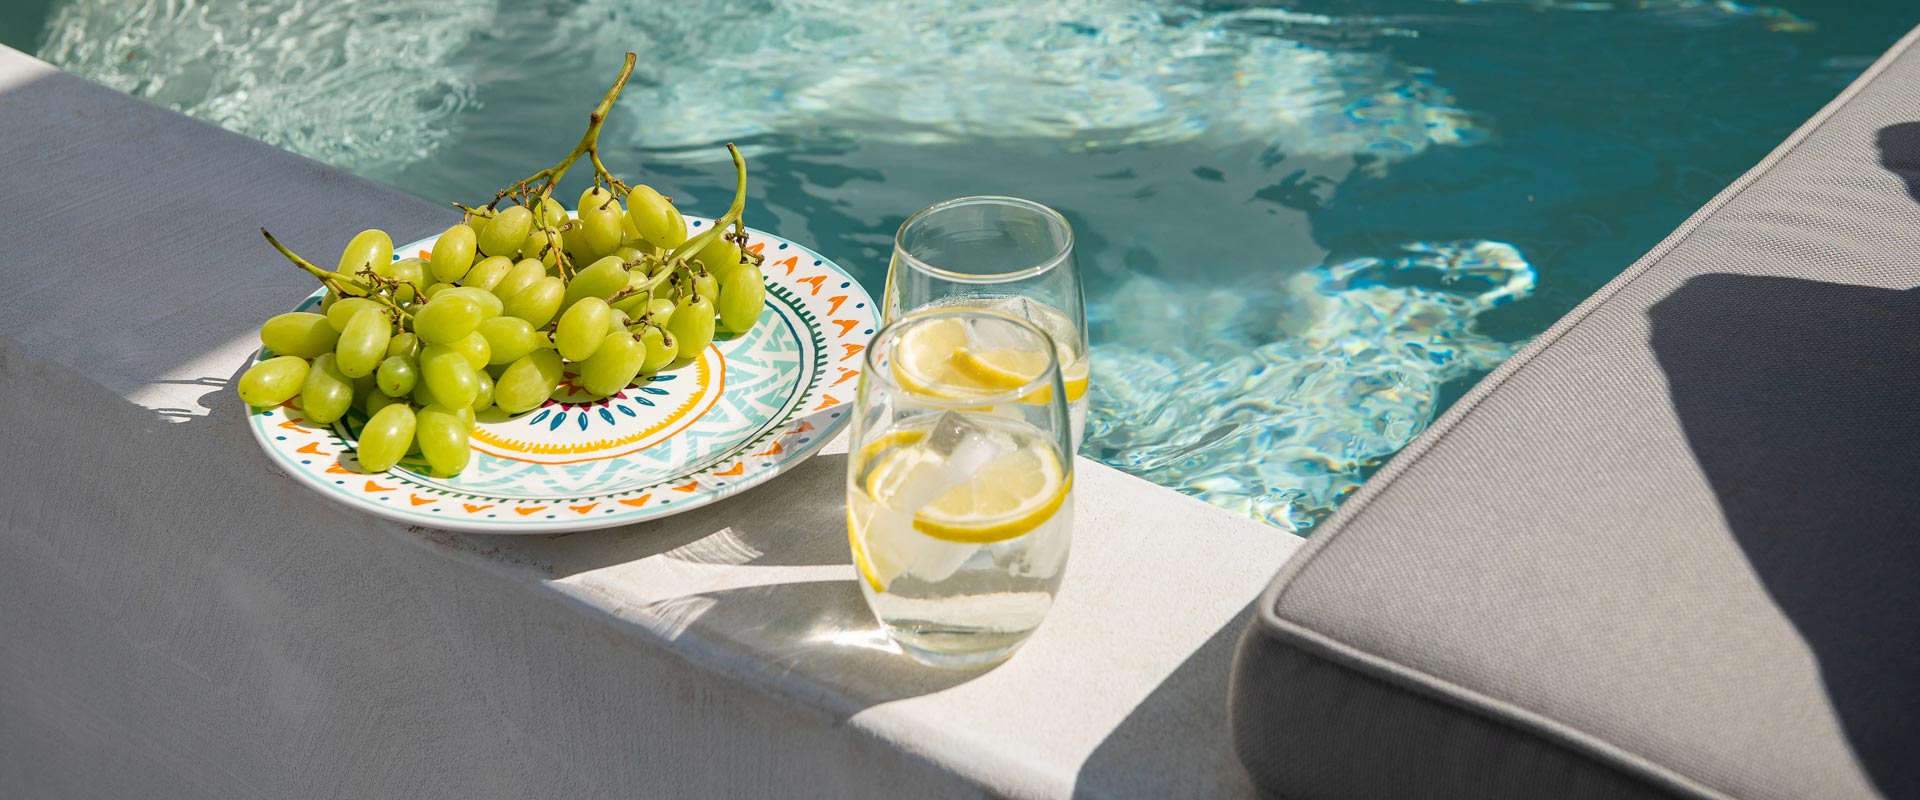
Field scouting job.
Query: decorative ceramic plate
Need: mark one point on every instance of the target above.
(748, 408)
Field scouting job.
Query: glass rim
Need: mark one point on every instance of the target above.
(893, 330)
(1046, 265)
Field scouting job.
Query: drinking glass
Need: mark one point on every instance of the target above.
(959, 494)
(1001, 253)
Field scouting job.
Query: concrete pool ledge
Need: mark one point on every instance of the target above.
(186, 622)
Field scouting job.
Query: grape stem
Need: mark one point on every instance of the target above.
(589, 146)
(694, 245)
(345, 287)
(680, 259)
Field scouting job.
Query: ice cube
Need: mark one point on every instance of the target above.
(905, 551)
(985, 335)
(955, 450)
(965, 448)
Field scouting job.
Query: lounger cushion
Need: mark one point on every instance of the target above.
(1670, 550)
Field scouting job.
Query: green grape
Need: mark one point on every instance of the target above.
(721, 257)
(475, 347)
(742, 300)
(506, 231)
(574, 242)
(660, 309)
(484, 399)
(629, 254)
(448, 376)
(385, 438)
(434, 289)
(615, 362)
(363, 385)
(705, 285)
(487, 274)
(602, 279)
(655, 219)
(529, 382)
(368, 249)
(327, 392)
(508, 338)
(654, 269)
(488, 303)
(346, 284)
(594, 196)
(343, 312)
(397, 376)
(443, 433)
(617, 321)
(661, 349)
(403, 344)
(273, 381)
(670, 289)
(600, 217)
(479, 226)
(522, 275)
(386, 270)
(634, 304)
(538, 302)
(629, 233)
(327, 301)
(692, 324)
(535, 245)
(581, 329)
(550, 214)
(300, 333)
(411, 272)
(364, 342)
(379, 400)
(422, 394)
(453, 253)
(447, 319)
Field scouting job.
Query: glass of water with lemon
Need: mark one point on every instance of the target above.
(960, 482)
(1000, 253)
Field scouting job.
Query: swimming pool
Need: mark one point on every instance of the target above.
(1306, 227)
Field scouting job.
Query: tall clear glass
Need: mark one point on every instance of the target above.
(1001, 253)
(959, 494)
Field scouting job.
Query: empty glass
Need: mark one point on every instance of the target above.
(959, 486)
(1000, 253)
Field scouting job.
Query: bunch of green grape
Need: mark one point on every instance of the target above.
(510, 300)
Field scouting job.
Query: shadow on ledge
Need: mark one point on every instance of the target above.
(1801, 401)
(1176, 743)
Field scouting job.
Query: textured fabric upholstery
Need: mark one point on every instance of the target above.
(1668, 550)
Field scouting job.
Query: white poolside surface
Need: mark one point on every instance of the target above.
(182, 621)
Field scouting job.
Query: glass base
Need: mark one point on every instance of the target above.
(950, 648)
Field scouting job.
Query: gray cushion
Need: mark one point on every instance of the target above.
(1667, 551)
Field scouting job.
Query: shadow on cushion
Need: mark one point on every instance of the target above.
(1801, 401)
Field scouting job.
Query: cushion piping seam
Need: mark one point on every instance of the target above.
(1537, 724)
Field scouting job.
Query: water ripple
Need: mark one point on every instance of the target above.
(363, 85)
(1084, 73)
(1285, 397)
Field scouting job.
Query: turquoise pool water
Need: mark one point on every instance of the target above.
(1307, 227)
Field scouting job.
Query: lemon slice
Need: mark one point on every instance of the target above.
(1006, 499)
(877, 577)
(1013, 368)
(1074, 375)
(937, 358)
(923, 361)
(999, 369)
